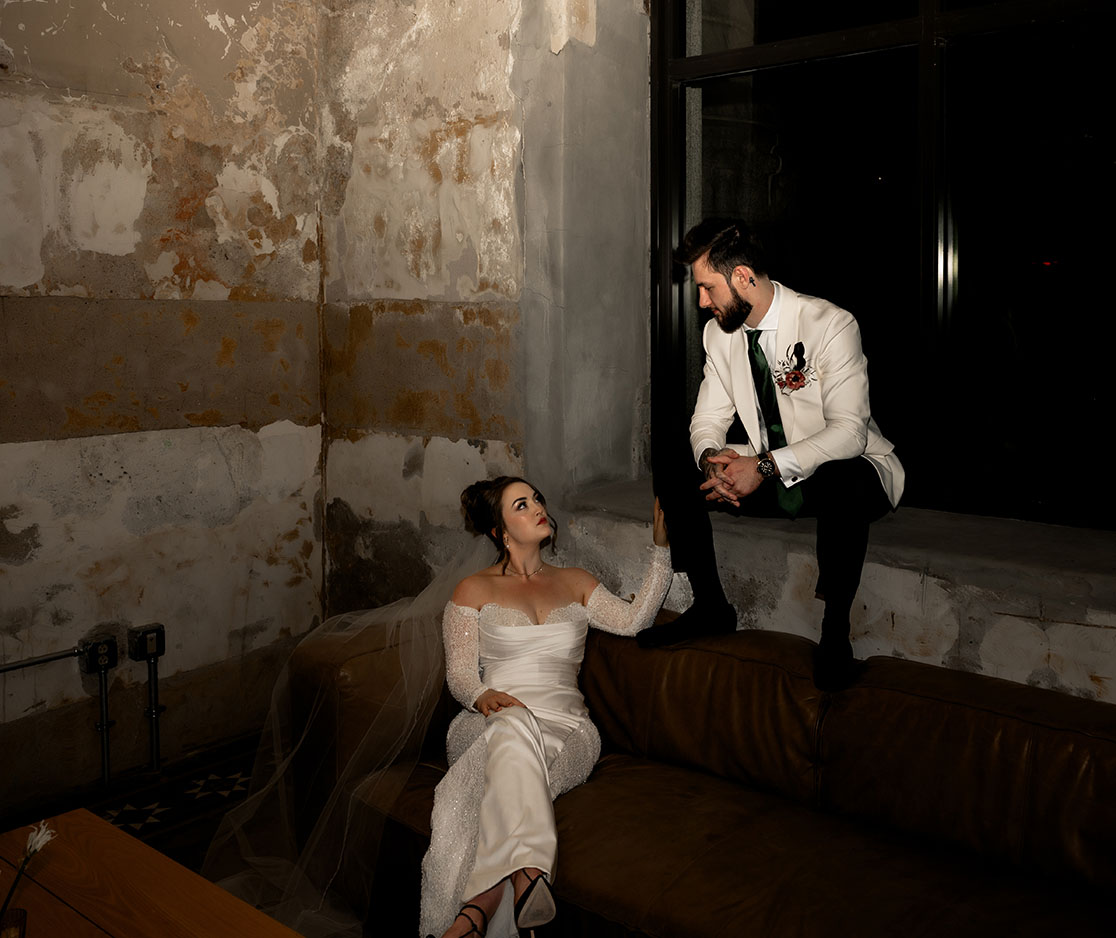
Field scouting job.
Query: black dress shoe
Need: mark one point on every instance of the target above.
(698, 621)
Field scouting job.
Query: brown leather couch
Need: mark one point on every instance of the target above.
(734, 799)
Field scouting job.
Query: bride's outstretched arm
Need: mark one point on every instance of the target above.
(611, 614)
(459, 631)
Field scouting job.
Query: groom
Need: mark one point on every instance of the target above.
(792, 369)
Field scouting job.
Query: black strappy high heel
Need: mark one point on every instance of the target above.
(474, 930)
(536, 906)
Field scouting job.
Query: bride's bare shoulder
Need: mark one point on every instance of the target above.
(578, 581)
(475, 590)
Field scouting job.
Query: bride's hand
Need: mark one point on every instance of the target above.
(493, 700)
(659, 528)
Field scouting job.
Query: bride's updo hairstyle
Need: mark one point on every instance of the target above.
(483, 503)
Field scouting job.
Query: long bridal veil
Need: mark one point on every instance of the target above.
(303, 846)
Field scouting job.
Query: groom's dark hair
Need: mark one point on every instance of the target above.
(729, 242)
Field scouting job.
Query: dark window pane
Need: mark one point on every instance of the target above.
(719, 25)
(1024, 380)
(996, 398)
(822, 160)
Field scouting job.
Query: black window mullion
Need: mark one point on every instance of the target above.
(793, 51)
(667, 167)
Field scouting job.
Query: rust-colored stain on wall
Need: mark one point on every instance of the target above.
(82, 367)
(226, 357)
(423, 367)
(207, 418)
(435, 350)
(455, 134)
(270, 330)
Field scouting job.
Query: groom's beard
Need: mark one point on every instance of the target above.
(732, 318)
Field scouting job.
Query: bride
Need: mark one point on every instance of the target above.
(514, 637)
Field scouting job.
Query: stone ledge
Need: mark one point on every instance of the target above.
(914, 538)
(1027, 602)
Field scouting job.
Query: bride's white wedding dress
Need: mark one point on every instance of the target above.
(493, 811)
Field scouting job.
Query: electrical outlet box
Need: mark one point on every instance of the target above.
(98, 653)
(147, 641)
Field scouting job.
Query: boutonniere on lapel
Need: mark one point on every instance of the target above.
(793, 372)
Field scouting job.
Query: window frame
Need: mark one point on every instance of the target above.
(673, 72)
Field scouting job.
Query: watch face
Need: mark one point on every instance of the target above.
(766, 467)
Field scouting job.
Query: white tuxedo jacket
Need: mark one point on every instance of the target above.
(821, 378)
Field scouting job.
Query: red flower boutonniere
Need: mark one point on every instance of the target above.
(793, 372)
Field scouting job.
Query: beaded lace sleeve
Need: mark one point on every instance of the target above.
(460, 634)
(611, 614)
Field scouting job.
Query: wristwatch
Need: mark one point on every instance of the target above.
(766, 466)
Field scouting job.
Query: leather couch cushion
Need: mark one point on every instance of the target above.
(1011, 771)
(650, 849)
(742, 706)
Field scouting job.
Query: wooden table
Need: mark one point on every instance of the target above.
(94, 880)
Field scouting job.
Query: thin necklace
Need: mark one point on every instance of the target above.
(526, 575)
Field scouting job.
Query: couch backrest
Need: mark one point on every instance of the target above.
(1006, 769)
(740, 706)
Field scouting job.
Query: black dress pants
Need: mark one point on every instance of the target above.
(845, 496)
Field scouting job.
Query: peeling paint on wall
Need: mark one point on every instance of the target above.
(571, 19)
(18, 543)
(185, 168)
(425, 125)
(73, 178)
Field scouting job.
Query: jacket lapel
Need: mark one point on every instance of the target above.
(785, 337)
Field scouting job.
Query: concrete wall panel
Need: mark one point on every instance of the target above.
(394, 510)
(416, 367)
(210, 531)
(72, 367)
(413, 479)
(587, 231)
(234, 223)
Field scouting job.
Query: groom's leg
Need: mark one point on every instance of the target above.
(845, 496)
(677, 484)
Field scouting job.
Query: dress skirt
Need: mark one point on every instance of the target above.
(493, 811)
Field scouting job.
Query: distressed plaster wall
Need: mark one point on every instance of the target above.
(173, 156)
(422, 276)
(245, 233)
(160, 393)
(480, 156)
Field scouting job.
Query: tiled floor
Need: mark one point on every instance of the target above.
(176, 810)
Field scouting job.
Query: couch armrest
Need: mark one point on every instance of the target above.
(341, 684)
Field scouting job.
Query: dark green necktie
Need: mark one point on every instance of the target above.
(790, 500)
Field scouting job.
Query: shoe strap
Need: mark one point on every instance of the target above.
(470, 918)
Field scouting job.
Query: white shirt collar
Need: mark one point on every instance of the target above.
(770, 319)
